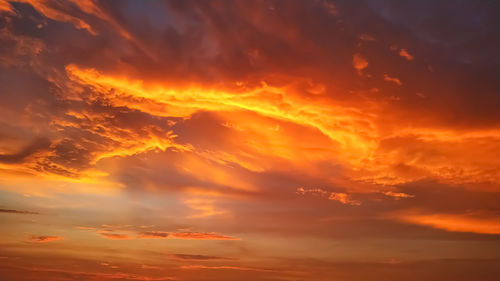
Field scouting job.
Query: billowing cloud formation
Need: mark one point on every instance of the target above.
(262, 131)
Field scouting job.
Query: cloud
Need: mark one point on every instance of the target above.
(205, 208)
(198, 257)
(130, 233)
(397, 195)
(202, 236)
(154, 235)
(359, 63)
(343, 198)
(45, 239)
(5, 6)
(366, 38)
(60, 13)
(145, 266)
(335, 196)
(207, 116)
(115, 236)
(455, 223)
(404, 53)
(392, 79)
(227, 267)
(11, 211)
(35, 146)
(54, 272)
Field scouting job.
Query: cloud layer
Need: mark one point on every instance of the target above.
(265, 131)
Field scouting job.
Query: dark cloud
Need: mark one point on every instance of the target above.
(153, 235)
(11, 211)
(189, 257)
(35, 146)
(45, 239)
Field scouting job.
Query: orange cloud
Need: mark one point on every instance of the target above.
(135, 234)
(392, 79)
(196, 124)
(204, 207)
(359, 63)
(366, 38)
(280, 103)
(197, 257)
(343, 198)
(145, 266)
(5, 6)
(397, 195)
(95, 275)
(335, 196)
(57, 13)
(153, 235)
(194, 266)
(404, 53)
(44, 239)
(456, 223)
(115, 236)
(201, 236)
(25, 152)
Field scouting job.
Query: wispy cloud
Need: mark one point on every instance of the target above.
(341, 197)
(202, 236)
(189, 257)
(359, 63)
(154, 235)
(44, 239)
(398, 195)
(392, 79)
(12, 211)
(226, 267)
(455, 222)
(404, 53)
(128, 233)
(115, 236)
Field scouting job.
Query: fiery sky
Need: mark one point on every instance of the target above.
(249, 140)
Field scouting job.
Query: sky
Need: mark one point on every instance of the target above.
(249, 140)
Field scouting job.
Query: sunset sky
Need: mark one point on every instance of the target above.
(250, 140)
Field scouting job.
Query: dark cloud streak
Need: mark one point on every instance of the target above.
(11, 211)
